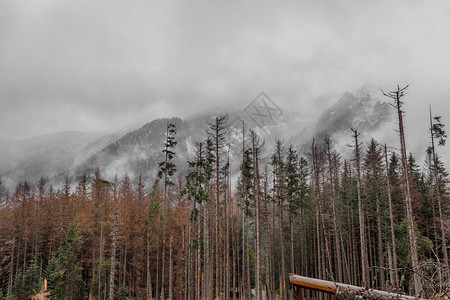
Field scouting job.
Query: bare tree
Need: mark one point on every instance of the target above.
(397, 95)
(113, 257)
(257, 150)
(394, 277)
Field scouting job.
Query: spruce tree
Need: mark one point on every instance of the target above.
(293, 191)
(167, 170)
(218, 130)
(67, 279)
(373, 166)
(52, 266)
(27, 283)
(438, 133)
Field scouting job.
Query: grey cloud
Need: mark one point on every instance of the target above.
(99, 64)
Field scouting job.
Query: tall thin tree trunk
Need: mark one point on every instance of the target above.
(397, 95)
(247, 254)
(291, 235)
(113, 259)
(362, 227)
(267, 230)
(233, 250)
(278, 174)
(149, 275)
(391, 218)
(163, 247)
(198, 262)
(272, 250)
(255, 151)
(391, 265)
(171, 268)
(227, 209)
(381, 265)
(337, 247)
(164, 204)
(437, 178)
(244, 266)
(11, 269)
(217, 128)
(283, 253)
(157, 268)
(102, 247)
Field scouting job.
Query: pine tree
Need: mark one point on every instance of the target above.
(218, 133)
(278, 163)
(246, 192)
(437, 132)
(373, 166)
(292, 195)
(27, 283)
(67, 279)
(51, 268)
(167, 170)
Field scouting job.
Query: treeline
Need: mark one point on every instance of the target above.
(378, 220)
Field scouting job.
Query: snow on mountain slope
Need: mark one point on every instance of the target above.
(139, 151)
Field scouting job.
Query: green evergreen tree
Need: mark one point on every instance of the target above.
(32, 279)
(376, 202)
(27, 283)
(122, 293)
(245, 185)
(18, 289)
(167, 170)
(292, 174)
(51, 268)
(67, 279)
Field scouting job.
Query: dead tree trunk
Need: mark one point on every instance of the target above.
(394, 278)
(171, 268)
(113, 258)
(362, 227)
(337, 247)
(397, 95)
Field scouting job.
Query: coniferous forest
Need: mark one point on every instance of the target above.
(379, 219)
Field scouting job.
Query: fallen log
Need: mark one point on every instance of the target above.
(341, 290)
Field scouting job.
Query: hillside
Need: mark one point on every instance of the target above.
(72, 153)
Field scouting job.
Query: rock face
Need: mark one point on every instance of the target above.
(360, 110)
(139, 151)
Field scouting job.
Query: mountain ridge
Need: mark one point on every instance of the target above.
(138, 151)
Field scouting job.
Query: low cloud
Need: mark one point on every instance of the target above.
(102, 65)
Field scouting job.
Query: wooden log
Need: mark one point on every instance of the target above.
(344, 291)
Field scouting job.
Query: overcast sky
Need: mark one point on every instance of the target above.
(95, 65)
